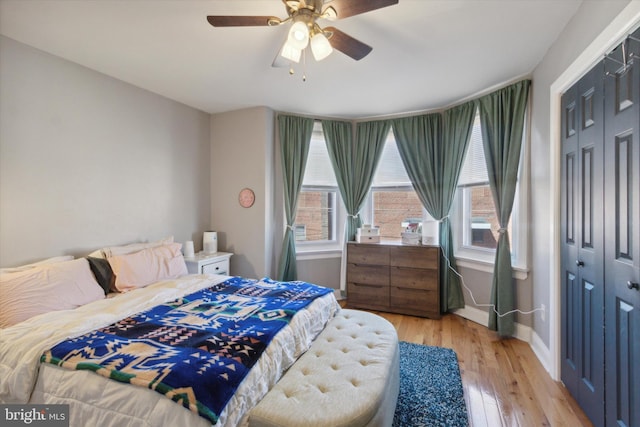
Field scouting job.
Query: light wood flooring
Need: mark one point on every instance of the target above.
(504, 383)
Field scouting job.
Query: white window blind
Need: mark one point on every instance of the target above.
(319, 171)
(474, 169)
(390, 171)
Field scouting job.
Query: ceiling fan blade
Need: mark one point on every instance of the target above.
(243, 21)
(346, 8)
(346, 44)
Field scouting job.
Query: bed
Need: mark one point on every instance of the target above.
(32, 372)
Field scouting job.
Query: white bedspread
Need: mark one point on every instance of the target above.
(22, 345)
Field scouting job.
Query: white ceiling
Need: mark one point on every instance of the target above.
(426, 53)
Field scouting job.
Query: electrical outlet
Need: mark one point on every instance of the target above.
(543, 312)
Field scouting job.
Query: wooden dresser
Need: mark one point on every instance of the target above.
(394, 277)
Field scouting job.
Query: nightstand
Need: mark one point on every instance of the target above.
(202, 263)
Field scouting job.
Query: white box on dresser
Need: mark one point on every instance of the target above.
(203, 263)
(368, 234)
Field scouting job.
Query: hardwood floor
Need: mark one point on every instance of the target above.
(504, 383)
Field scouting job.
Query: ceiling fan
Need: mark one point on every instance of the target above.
(305, 31)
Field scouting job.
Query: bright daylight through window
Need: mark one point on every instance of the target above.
(473, 218)
(317, 216)
(392, 204)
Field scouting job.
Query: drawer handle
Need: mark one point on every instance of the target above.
(367, 285)
(404, 288)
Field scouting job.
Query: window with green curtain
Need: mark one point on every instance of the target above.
(295, 136)
(502, 115)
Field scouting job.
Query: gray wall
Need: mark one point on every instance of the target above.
(586, 25)
(479, 282)
(324, 271)
(87, 160)
(242, 155)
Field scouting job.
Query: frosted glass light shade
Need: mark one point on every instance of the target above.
(290, 52)
(320, 46)
(298, 35)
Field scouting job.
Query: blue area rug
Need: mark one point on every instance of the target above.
(431, 391)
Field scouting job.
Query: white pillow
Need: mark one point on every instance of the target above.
(48, 287)
(110, 251)
(139, 269)
(36, 264)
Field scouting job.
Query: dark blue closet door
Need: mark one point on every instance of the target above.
(582, 369)
(622, 241)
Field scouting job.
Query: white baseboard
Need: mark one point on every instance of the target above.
(542, 352)
(522, 332)
(473, 314)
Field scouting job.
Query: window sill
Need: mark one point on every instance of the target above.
(305, 254)
(485, 263)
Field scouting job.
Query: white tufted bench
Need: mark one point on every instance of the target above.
(349, 377)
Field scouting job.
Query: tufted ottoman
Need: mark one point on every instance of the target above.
(349, 377)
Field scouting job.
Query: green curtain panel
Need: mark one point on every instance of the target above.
(432, 148)
(354, 163)
(457, 128)
(295, 138)
(502, 116)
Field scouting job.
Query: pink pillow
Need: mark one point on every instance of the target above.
(148, 266)
(36, 264)
(110, 251)
(48, 287)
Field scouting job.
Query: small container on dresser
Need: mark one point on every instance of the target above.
(203, 263)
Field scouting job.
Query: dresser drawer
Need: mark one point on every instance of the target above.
(415, 301)
(220, 267)
(201, 263)
(368, 274)
(416, 257)
(367, 254)
(368, 295)
(415, 278)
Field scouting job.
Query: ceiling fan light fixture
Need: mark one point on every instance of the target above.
(320, 46)
(330, 13)
(298, 35)
(290, 52)
(293, 4)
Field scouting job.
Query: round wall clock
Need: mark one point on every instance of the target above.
(246, 198)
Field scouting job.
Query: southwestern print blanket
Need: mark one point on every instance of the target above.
(195, 350)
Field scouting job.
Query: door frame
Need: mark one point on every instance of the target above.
(621, 26)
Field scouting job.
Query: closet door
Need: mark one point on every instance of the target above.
(582, 369)
(622, 257)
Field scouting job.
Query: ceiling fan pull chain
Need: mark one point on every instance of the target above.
(304, 65)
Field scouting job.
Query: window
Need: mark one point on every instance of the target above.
(474, 219)
(319, 214)
(392, 203)
(316, 216)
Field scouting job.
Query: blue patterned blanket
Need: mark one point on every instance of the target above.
(195, 350)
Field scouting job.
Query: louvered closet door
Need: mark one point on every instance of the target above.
(582, 369)
(622, 255)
